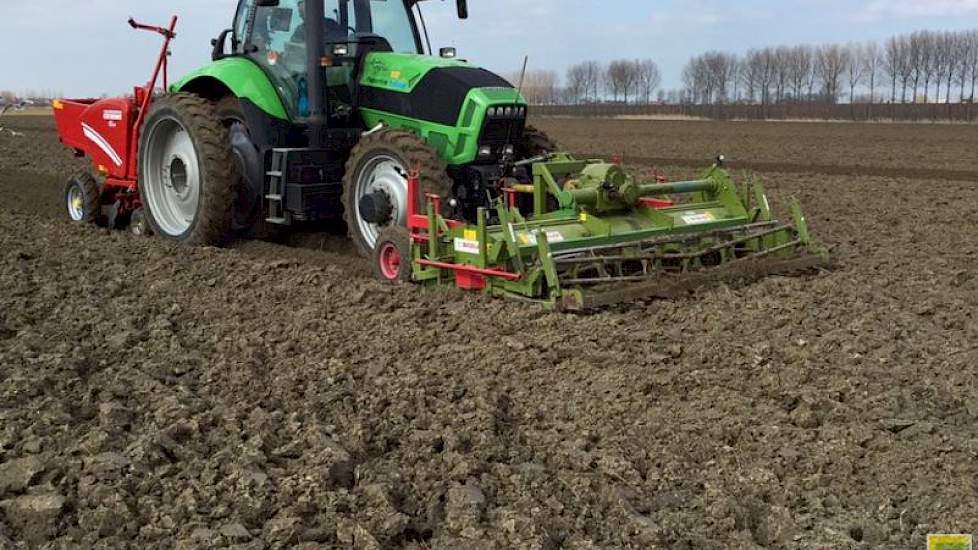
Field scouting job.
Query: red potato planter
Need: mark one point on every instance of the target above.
(107, 131)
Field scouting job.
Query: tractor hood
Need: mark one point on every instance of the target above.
(423, 87)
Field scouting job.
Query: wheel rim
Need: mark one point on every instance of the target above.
(386, 174)
(76, 203)
(171, 183)
(390, 261)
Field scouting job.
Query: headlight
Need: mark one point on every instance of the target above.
(508, 151)
(485, 151)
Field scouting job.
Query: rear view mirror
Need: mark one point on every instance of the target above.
(280, 20)
(463, 9)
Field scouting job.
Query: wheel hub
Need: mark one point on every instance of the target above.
(387, 176)
(376, 207)
(390, 261)
(76, 205)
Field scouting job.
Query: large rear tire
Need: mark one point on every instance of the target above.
(248, 212)
(380, 163)
(186, 171)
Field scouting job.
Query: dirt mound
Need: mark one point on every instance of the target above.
(154, 396)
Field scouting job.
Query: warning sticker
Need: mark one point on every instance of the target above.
(467, 246)
(698, 218)
(531, 238)
(112, 115)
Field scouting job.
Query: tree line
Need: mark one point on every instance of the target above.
(623, 80)
(920, 67)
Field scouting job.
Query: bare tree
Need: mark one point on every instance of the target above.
(649, 78)
(695, 81)
(799, 70)
(892, 62)
(622, 78)
(905, 68)
(593, 71)
(855, 69)
(758, 74)
(922, 62)
(577, 84)
(831, 62)
(942, 59)
(539, 87)
(781, 70)
(971, 61)
(872, 58)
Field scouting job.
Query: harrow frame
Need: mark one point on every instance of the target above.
(593, 242)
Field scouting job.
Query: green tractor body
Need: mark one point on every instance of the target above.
(300, 85)
(399, 97)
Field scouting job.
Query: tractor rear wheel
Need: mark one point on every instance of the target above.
(392, 258)
(248, 214)
(375, 184)
(186, 171)
(83, 199)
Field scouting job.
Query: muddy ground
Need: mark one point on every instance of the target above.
(153, 396)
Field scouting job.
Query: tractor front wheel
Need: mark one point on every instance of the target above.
(535, 143)
(392, 257)
(83, 199)
(375, 189)
(186, 171)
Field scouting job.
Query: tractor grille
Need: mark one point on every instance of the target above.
(496, 129)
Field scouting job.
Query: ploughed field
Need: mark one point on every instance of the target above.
(153, 396)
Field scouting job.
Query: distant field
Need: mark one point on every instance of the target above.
(31, 111)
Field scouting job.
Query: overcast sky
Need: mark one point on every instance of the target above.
(83, 47)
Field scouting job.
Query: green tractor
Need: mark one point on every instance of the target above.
(318, 110)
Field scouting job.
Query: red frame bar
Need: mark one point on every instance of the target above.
(147, 91)
(656, 203)
(500, 274)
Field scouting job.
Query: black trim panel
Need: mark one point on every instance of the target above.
(437, 98)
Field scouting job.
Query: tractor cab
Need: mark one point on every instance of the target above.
(280, 37)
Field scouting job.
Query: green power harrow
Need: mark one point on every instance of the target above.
(597, 236)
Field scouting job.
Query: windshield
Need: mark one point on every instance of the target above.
(276, 40)
(390, 19)
(393, 21)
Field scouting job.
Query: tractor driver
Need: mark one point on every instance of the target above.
(334, 32)
(295, 52)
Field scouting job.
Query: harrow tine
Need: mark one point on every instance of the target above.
(745, 270)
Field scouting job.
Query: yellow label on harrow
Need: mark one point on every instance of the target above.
(697, 218)
(949, 542)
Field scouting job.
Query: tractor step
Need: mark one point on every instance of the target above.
(275, 198)
(304, 185)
